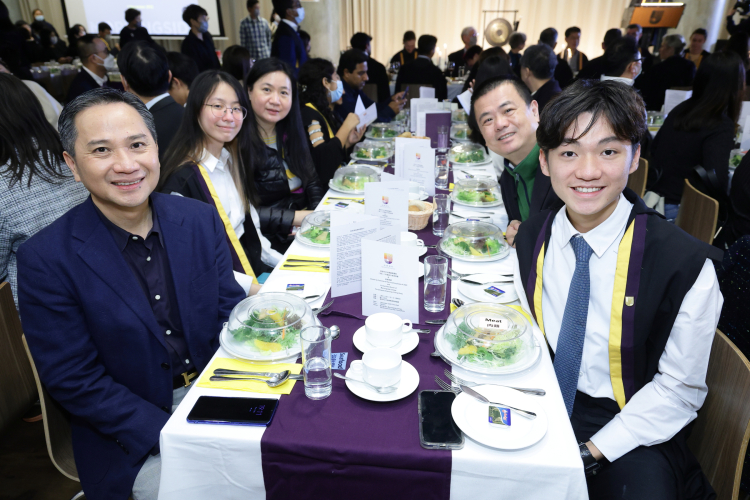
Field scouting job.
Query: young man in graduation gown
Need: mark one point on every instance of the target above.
(123, 297)
(628, 302)
(504, 117)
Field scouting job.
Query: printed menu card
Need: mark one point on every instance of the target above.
(419, 166)
(389, 202)
(390, 276)
(401, 143)
(347, 231)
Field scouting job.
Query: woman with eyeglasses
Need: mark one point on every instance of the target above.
(330, 140)
(206, 164)
(283, 171)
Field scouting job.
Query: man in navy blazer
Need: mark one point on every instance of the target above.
(123, 296)
(287, 44)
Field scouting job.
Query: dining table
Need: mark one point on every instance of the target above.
(346, 446)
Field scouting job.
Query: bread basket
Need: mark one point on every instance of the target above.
(418, 219)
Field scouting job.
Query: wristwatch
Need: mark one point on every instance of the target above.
(590, 465)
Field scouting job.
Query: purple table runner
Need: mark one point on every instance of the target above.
(346, 447)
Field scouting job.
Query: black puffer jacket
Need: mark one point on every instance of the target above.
(277, 202)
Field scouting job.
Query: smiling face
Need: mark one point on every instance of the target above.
(116, 157)
(507, 124)
(588, 173)
(271, 98)
(221, 126)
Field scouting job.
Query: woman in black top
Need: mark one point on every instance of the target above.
(699, 131)
(330, 141)
(52, 48)
(283, 171)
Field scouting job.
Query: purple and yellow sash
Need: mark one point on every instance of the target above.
(239, 259)
(625, 294)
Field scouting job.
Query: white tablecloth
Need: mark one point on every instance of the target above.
(224, 462)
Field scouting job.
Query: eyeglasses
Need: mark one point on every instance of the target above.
(219, 110)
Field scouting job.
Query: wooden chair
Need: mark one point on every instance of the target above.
(371, 91)
(17, 390)
(56, 427)
(698, 214)
(637, 180)
(721, 432)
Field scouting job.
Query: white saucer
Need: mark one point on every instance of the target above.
(477, 292)
(455, 200)
(409, 383)
(422, 196)
(471, 416)
(408, 343)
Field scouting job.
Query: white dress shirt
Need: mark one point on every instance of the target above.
(98, 79)
(230, 199)
(156, 99)
(670, 401)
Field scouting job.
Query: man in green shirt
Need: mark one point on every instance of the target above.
(504, 117)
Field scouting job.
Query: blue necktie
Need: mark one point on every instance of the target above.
(573, 329)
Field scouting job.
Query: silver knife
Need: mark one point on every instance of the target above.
(474, 394)
(436, 321)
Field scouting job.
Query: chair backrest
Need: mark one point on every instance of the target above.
(17, 390)
(371, 91)
(56, 427)
(413, 90)
(698, 214)
(721, 432)
(637, 180)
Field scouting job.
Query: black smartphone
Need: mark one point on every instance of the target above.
(437, 430)
(233, 411)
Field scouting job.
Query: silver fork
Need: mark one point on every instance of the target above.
(446, 386)
(460, 381)
(322, 308)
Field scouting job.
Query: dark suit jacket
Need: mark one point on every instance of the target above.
(545, 93)
(675, 71)
(349, 103)
(94, 338)
(563, 73)
(167, 118)
(594, 70)
(377, 75)
(289, 47)
(457, 58)
(542, 195)
(424, 72)
(83, 82)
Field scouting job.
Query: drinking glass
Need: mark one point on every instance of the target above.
(442, 137)
(461, 71)
(435, 282)
(316, 361)
(441, 214)
(441, 171)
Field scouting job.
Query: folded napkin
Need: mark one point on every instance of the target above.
(249, 385)
(313, 267)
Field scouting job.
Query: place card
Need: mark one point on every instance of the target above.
(419, 166)
(674, 97)
(465, 100)
(429, 121)
(420, 104)
(401, 143)
(366, 115)
(426, 92)
(347, 231)
(389, 202)
(390, 277)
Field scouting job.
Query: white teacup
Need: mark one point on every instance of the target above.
(385, 329)
(410, 239)
(381, 367)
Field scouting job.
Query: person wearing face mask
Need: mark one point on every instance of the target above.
(39, 23)
(133, 31)
(287, 44)
(255, 32)
(199, 44)
(469, 38)
(94, 55)
(375, 71)
(105, 33)
(330, 140)
(283, 171)
(52, 48)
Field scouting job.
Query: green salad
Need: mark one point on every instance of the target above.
(735, 160)
(319, 235)
(459, 115)
(374, 154)
(261, 332)
(469, 157)
(479, 247)
(484, 349)
(460, 134)
(380, 133)
(352, 183)
(471, 196)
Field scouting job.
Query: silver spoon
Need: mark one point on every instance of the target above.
(457, 302)
(379, 390)
(335, 332)
(274, 381)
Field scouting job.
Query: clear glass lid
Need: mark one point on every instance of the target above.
(373, 150)
(383, 130)
(474, 240)
(315, 229)
(353, 178)
(467, 153)
(460, 131)
(477, 192)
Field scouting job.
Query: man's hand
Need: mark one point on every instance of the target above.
(397, 102)
(398, 97)
(594, 451)
(510, 233)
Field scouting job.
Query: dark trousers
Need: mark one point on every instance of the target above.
(666, 471)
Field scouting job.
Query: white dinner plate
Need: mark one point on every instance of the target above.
(408, 384)
(408, 342)
(472, 417)
(340, 190)
(478, 293)
(422, 196)
(496, 203)
(492, 258)
(470, 165)
(354, 157)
